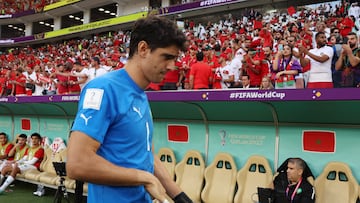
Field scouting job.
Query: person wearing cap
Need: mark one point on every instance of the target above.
(210, 57)
(31, 160)
(95, 69)
(114, 126)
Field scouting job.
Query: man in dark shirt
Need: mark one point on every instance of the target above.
(296, 188)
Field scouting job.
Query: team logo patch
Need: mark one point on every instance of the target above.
(93, 98)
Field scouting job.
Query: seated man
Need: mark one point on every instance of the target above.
(5, 147)
(31, 160)
(291, 184)
(16, 153)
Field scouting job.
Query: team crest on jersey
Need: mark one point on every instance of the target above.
(93, 98)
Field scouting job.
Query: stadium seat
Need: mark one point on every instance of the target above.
(56, 152)
(190, 174)
(220, 180)
(34, 174)
(255, 173)
(49, 176)
(336, 184)
(167, 157)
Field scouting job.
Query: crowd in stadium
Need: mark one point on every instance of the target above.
(17, 6)
(302, 48)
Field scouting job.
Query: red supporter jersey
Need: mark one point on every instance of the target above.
(255, 78)
(18, 88)
(173, 75)
(189, 61)
(62, 84)
(2, 83)
(74, 88)
(201, 72)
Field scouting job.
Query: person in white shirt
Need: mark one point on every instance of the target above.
(31, 78)
(320, 75)
(236, 62)
(226, 72)
(81, 73)
(95, 70)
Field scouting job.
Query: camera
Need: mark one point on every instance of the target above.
(345, 40)
(60, 168)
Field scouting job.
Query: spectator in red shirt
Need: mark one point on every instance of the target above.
(254, 68)
(18, 83)
(187, 62)
(73, 85)
(62, 80)
(200, 74)
(171, 80)
(346, 26)
(3, 81)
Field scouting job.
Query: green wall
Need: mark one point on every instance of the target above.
(245, 139)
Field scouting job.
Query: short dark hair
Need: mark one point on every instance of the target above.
(95, 58)
(319, 33)
(2, 133)
(217, 47)
(36, 135)
(199, 56)
(157, 32)
(352, 33)
(22, 135)
(246, 75)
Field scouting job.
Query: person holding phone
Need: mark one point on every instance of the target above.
(348, 62)
(286, 67)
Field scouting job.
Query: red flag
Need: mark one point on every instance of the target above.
(178, 133)
(319, 141)
(291, 10)
(25, 124)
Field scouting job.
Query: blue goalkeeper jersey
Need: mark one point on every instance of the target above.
(115, 111)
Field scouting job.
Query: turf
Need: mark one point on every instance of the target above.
(21, 192)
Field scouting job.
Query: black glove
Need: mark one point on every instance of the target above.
(182, 198)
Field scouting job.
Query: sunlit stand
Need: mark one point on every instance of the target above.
(61, 190)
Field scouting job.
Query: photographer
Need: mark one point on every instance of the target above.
(349, 62)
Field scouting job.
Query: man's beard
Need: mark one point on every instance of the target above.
(321, 44)
(352, 46)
